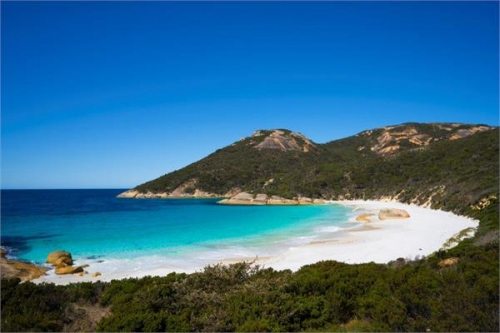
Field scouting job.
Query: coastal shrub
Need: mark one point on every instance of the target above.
(31, 307)
(415, 296)
(326, 296)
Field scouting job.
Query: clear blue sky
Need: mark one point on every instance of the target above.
(102, 95)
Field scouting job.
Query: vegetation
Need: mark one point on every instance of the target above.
(454, 174)
(238, 166)
(466, 170)
(327, 296)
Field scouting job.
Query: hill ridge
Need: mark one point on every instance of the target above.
(377, 163)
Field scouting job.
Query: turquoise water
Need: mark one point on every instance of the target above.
(95, 224)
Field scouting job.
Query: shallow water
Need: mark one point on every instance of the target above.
(94, 224)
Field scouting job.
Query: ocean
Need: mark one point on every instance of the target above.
(95, 225)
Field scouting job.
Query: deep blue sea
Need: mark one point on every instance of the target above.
(95, 224)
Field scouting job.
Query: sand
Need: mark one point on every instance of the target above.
(381, 241)
(358, 242)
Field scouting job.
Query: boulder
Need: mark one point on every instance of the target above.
(276, 200)
(393, 213)
(242, 198)
(18, 269)
(260, 198)
(245, 196)
(69, 270)
(448, 262)
(96, 274)
(60, 258)
(364, 217)
(389, 150)
(63, 261)
(128, 194)
(203, 194)
(305, 201)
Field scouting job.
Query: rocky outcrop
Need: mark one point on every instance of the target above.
(60, 258)
(448, 262)
(245, 198)
(282, 140)
(134, 194)
(242, 198)
(63, 263)
(484, 202)
(393, 213)
(277, 200)
(465, 132)
(319, 201)
(261, 198)
(24, 271)
(305, 201)
(393, 139)
(367, 217)
(383, 214)
(185, 190)
(62, 270)
(129, 194)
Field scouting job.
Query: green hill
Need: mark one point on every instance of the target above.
(244, 165)
(421, 163)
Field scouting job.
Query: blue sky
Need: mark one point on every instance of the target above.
(103, 95)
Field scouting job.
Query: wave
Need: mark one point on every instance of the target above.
(328, 229)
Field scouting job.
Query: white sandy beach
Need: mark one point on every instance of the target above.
(360, 242)
(381, 241)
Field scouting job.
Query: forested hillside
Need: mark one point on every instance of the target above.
(421, 163)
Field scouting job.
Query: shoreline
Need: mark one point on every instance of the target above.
(229, 199)
(380, 241)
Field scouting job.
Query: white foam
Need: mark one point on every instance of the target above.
(327, 229)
